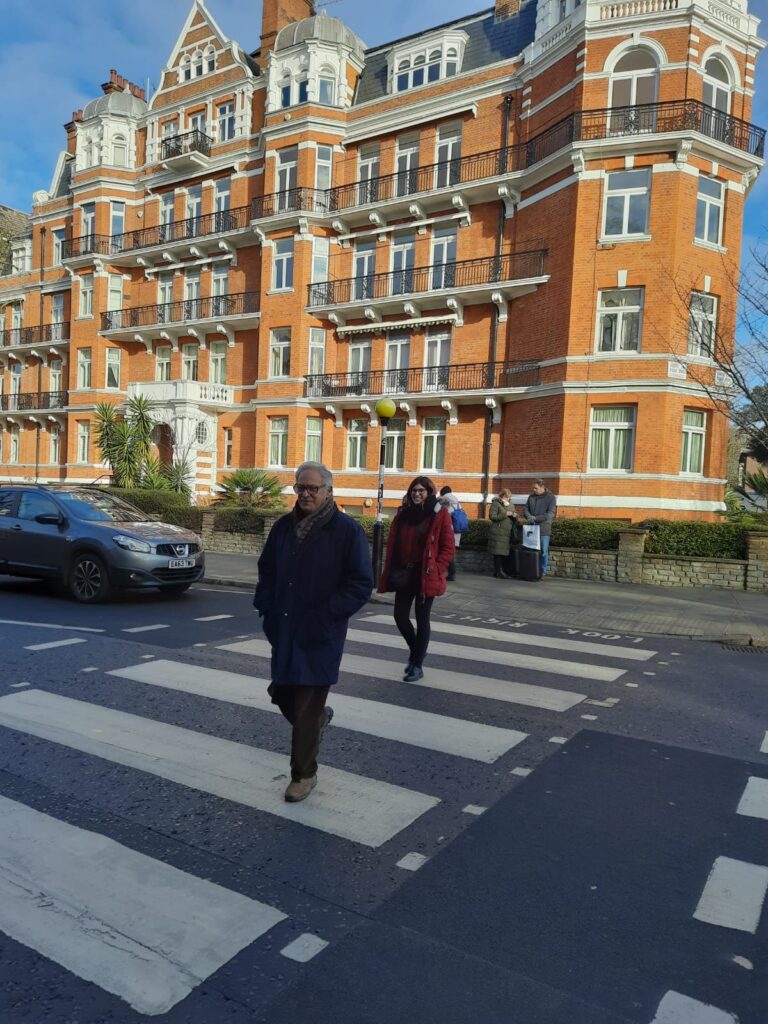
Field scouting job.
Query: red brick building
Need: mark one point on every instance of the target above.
(523, 226)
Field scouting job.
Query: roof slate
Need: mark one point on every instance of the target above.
(489, 42)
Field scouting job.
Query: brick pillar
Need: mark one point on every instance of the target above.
(757, 561)
(629, 564)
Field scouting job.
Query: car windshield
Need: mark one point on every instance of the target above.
(100, 507)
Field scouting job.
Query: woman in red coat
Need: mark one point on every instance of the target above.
(420, 548)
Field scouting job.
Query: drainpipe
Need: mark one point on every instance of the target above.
(488, 436)
(40, 361)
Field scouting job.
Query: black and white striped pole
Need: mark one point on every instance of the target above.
(385, 410)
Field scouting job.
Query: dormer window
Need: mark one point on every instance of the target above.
(197, 64)
(423, 65)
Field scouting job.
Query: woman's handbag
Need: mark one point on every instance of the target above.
(403, 577)
(532, 536)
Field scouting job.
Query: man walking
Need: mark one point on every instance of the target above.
(314, 574)
(540, 508)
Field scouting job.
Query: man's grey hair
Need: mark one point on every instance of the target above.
(325, 474)
(538, 482)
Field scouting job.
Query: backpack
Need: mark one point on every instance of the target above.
(460, 521)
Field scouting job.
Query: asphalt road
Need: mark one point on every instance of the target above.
(556, 826)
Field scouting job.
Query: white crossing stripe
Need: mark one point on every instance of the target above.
(412, 861)
(213, 618)
(576, 669)
(353, 807)
(145, 629)
(137, 927)
(733, 895)
(438, 679)
(764, 745)
(754, 801)
(49, 625)
(455, 736)
(304, 948)
(675, 1008)
(527, 639)
(56, 643)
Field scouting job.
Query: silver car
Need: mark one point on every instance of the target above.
(93, 541)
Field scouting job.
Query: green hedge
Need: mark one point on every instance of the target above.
(153, 503)
(694, 539)
(238, 520)
(596, 534)
(187, 518)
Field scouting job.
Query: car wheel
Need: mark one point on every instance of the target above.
(88, 581)
(177, 588)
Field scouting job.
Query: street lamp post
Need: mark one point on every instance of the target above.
(385, 410)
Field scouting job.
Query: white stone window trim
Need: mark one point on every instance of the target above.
(626, 426)
(277, 430)
(627, 192)
(357, 443)
(699, 317)
(434, 433)
(710, 203)
(279, 344)
(693, 431)
(196, 64)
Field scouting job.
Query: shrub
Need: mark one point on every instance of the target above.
(187, 518)
(595, 534)
(238, 520)
(476, 537)
(694, 539)
(153, 503)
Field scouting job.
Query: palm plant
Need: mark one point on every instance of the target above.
(177, 476)
(250, 488)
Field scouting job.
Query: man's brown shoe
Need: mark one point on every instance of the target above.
(297, 791)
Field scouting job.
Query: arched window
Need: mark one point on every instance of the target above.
(327, 86)
(88, 151)
(119, 151)
(285, 91)
(433, 65)
(417, 76)
(210, 60)
(186, 68)
(451, 61)
(634, 79)
(303, 89)
(717, 85)
(198, 63)
(403, 77)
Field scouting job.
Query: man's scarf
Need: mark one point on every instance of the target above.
(305, 524)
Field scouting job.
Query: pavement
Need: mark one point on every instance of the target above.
(695, 613)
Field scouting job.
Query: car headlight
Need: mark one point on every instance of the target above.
(132, 544)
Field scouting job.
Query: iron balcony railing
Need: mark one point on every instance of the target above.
(423, 379)
(182, 230)
(182, 145)
(35, 335)
(86, 245)
(26, 401)
(464, 274)
(292, 200)
(183, 311)
(581, 126)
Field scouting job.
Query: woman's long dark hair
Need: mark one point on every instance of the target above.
(415, 513)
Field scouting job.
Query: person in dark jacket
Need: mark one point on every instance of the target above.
(540, 508)
(501, 532)
(314, 574)
(420, 548)
(449, 500)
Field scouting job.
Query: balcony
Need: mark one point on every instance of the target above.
(37, 401)
(492, 278)
(225, 313)
(85, 248)
(438, 381)
(194, 392)
(279, 206)
(46, 334)
(187, 152)
(176, 237)
(468, 173)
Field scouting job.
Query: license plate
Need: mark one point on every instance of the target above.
(181, 563)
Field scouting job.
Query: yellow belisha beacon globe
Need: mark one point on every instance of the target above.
(386, 408)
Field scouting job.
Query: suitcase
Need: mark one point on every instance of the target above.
(529, 564)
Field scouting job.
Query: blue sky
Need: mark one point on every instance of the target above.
(54, 55)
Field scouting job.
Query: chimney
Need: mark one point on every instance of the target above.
(506, 8)
(71, 130)
(276, 14)
(117, 83)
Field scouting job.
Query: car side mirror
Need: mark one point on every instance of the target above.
(50, 519)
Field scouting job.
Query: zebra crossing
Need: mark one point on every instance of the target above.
(131, 923)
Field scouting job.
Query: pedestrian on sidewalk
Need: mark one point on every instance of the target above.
(500, 532)
(459, 522)
(420, 548)
(314, 574)
(541, 508)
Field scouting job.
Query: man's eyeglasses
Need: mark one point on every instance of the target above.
(307, 488)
